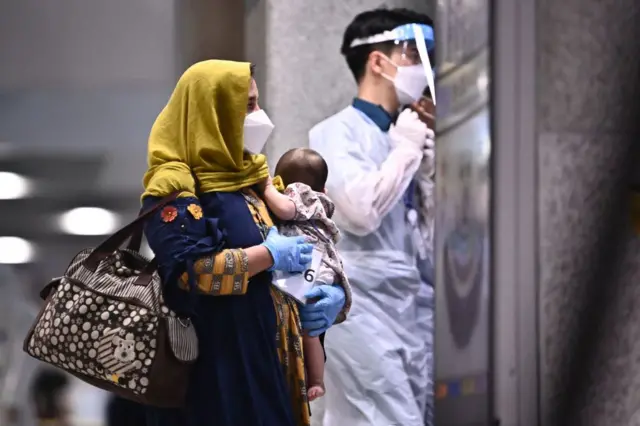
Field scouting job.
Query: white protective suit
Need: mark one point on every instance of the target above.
(379, 362)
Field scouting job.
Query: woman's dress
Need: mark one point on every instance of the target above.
(250, 369)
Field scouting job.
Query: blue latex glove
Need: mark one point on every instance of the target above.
(290, 254)
(318, 316)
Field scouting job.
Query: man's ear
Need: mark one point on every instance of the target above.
(375, 63)
(324, 190)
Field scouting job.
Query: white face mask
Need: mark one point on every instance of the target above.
(410, 82)
(257, 129)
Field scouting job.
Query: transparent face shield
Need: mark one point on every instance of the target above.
(416, 41)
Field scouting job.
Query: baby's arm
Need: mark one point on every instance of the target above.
(281, 205)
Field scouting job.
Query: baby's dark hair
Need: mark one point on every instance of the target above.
(303, 165)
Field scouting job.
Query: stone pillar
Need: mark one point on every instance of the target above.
(301, 74)
(587, 109)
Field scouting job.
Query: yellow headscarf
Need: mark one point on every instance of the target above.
(196, 144)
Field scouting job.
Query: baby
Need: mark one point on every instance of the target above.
(305, 209)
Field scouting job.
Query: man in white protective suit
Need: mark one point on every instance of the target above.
(381, 162)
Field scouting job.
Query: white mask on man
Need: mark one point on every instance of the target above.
(410, 82)
(257, 129)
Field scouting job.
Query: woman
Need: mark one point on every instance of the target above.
(217, 239)
(122, 412)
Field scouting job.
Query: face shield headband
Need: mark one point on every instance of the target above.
(424, 39)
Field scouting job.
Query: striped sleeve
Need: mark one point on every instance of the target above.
(222, 274)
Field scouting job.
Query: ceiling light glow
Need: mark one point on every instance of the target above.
(15, 250)
(88, 221)
(13, 186)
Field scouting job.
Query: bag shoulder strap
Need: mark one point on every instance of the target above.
(111, 244)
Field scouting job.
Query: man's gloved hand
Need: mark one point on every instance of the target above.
(290, 254)
(319, 315)
(409, 130)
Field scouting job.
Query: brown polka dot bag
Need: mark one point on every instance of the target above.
(105, 322)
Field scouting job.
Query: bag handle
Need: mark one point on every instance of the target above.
(111, 244)
(135, 242)
(146, 274)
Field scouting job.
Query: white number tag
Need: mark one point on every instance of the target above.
(297, 285)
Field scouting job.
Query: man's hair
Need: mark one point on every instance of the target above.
(46, 390)
(303, 165)
(371, 23)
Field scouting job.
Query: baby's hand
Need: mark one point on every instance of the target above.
(264, 184)
(281, 205)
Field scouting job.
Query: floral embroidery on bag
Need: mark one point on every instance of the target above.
(195, 210)
(169, 214)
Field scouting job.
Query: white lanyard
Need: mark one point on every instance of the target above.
(416, 234)
(414, 223)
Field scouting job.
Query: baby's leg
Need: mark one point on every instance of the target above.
(314, 362)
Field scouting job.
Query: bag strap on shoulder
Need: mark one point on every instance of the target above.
(132, 230)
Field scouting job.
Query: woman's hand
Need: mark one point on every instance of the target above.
(319, 315)
(290, 254)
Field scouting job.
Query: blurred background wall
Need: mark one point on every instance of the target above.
(90, 76)
(86, 77)
(587, 125)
